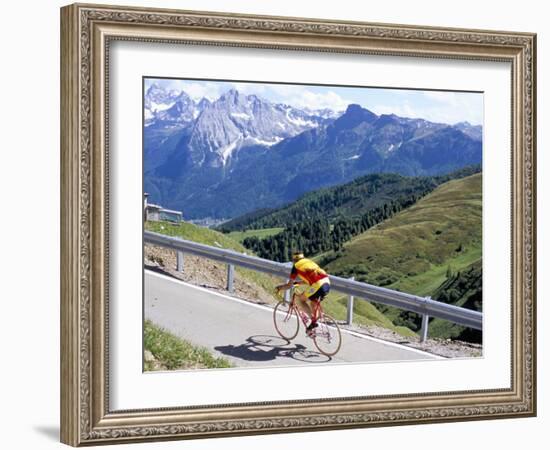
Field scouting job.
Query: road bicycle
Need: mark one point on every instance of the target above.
(326, 337)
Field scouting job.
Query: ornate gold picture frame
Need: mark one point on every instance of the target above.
(87, 33)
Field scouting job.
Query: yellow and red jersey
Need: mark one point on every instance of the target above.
(308, 271)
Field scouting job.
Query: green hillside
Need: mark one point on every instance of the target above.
(415, 250)
(442, 229)
(240, 236)
(195, 233)
(324, 220)
(461, 288)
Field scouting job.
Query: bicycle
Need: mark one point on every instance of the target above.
(326, 337)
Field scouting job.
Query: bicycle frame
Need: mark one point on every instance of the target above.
(317, 310)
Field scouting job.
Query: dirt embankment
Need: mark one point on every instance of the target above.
(208, 274)
(213, 275)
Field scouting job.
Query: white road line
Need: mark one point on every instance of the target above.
(267, 308)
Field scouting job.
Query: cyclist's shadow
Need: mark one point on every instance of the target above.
(269, 348)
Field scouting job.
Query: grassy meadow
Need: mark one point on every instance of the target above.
(413, 250)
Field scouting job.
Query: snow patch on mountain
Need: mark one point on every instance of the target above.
(240, 115)
(265, 143)
(148, 116)
(156, 107)
(226, 151)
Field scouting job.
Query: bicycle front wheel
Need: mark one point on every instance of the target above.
(286, 321)
(328, 338)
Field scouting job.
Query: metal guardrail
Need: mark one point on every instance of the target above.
(424, 306)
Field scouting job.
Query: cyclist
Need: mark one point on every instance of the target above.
(319, 286)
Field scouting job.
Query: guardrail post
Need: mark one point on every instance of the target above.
(230, 277)
(424, 327)
(179, 262)
(349, 318)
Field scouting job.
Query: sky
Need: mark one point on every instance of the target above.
(436, 106)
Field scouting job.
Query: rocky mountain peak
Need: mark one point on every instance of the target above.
(353, 116)
(237, 120)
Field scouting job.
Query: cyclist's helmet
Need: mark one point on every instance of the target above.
(297, 256)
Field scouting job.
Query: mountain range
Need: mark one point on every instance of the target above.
(240, 153)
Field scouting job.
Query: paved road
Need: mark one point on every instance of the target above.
(244, 333)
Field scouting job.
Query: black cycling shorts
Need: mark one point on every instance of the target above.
(320, 293)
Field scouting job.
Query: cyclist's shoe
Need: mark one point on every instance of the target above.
(310, 328)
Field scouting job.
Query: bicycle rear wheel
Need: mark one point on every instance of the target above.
(286, 321)
(327, 338)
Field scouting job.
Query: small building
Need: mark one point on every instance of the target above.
(152, 213)
(170, 215)
(155, 213)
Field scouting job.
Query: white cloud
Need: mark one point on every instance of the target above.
(403, 110)
(442, 107)
(286, 90)
(250, 88)
(455, 107)
(301, 97)
(326, 100)
(449, 98)
(199, 90)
